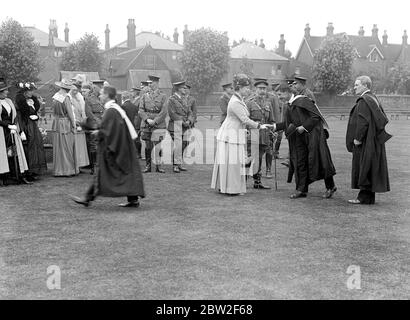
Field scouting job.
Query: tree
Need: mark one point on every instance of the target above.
(205, 60)
(19, 54)
(83, 55)
(287, 54)
(333, 64)
(398, 79)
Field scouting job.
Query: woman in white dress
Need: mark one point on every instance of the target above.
(229, 174)
(78, 104)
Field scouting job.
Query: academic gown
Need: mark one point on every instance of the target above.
(310, 146)
(367, 123)
(118, 172)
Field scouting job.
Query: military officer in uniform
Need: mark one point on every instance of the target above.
(224, 99)
(94, 111)
(270, 152)
(180, 120)
(261, 110)
(153, 111)
(136, 96)
(191, 102)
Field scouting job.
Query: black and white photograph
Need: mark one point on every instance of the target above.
(224, 151)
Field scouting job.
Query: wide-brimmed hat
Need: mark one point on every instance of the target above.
(241, 80)
(27, 86)
(65, 84)
(3, 84)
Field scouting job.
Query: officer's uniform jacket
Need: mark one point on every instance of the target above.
(261, 110)
(178, 110)
(153, 106)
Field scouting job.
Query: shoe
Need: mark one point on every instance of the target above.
(269, 174)
(181, 168)
(355, 201)
(82, 201)
(130, 204)
(298, 194)
(147, 169)
(160, 170)
(176, 169)
(329, 193)
(260, 186)
(25, 181)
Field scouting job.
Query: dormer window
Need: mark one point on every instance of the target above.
(375, 55)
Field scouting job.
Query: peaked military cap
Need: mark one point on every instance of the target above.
(153, 78)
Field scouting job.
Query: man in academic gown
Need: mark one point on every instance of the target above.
(118, 171)
(310, 158)
(365, 139)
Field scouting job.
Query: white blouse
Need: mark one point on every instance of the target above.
(6, 106)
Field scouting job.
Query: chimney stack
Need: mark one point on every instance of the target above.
(66, 33)
(131, 41)
(261, 44)
(385, 38)
(281, 48)
(330, 29)
(185, 33)
(361, 31)
(176, 35)
(107, 37)
(51, 34)
(405, 38)
(375, 31)
(307, 31)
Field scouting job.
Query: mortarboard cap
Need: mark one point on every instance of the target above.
(260, 81)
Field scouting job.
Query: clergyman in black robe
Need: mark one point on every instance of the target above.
(310, 158)
(365, 139)
(118, 171)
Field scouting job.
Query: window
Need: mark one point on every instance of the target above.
(149, 61)
(374, 56)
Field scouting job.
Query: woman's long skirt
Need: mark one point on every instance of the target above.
(229, 174)
(81, 150)
(63, 148)
(36, 155)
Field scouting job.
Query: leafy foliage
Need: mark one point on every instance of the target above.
(19, 54)
(83, 55)
(333, 64)
(205, 60)
(398, 79)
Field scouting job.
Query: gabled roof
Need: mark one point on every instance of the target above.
(157, 42)
(41, 38)
(136, 76)
(254, 52)
(363, 44)
(122, 62)
(392, 51)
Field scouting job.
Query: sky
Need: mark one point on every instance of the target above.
(262, 19)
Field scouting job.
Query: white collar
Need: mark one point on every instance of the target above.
(365, 92)
(109, 104)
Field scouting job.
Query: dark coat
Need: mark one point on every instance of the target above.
(131, 110)
(261, 111)
(223, 105)
(119, 173)
(304, 112)
(367, 123)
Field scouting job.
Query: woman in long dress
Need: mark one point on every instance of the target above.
(78, 105)
(13, 161)
(28, 105)
(64, 128)
(229, 174)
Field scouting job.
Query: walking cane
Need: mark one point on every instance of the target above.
(14, 149)
(274, 158)
(75, 154)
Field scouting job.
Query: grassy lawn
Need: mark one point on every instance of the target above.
(188, 242)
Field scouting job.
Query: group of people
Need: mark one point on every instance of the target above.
(250, 123)
(22, 155)
(93, 128)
